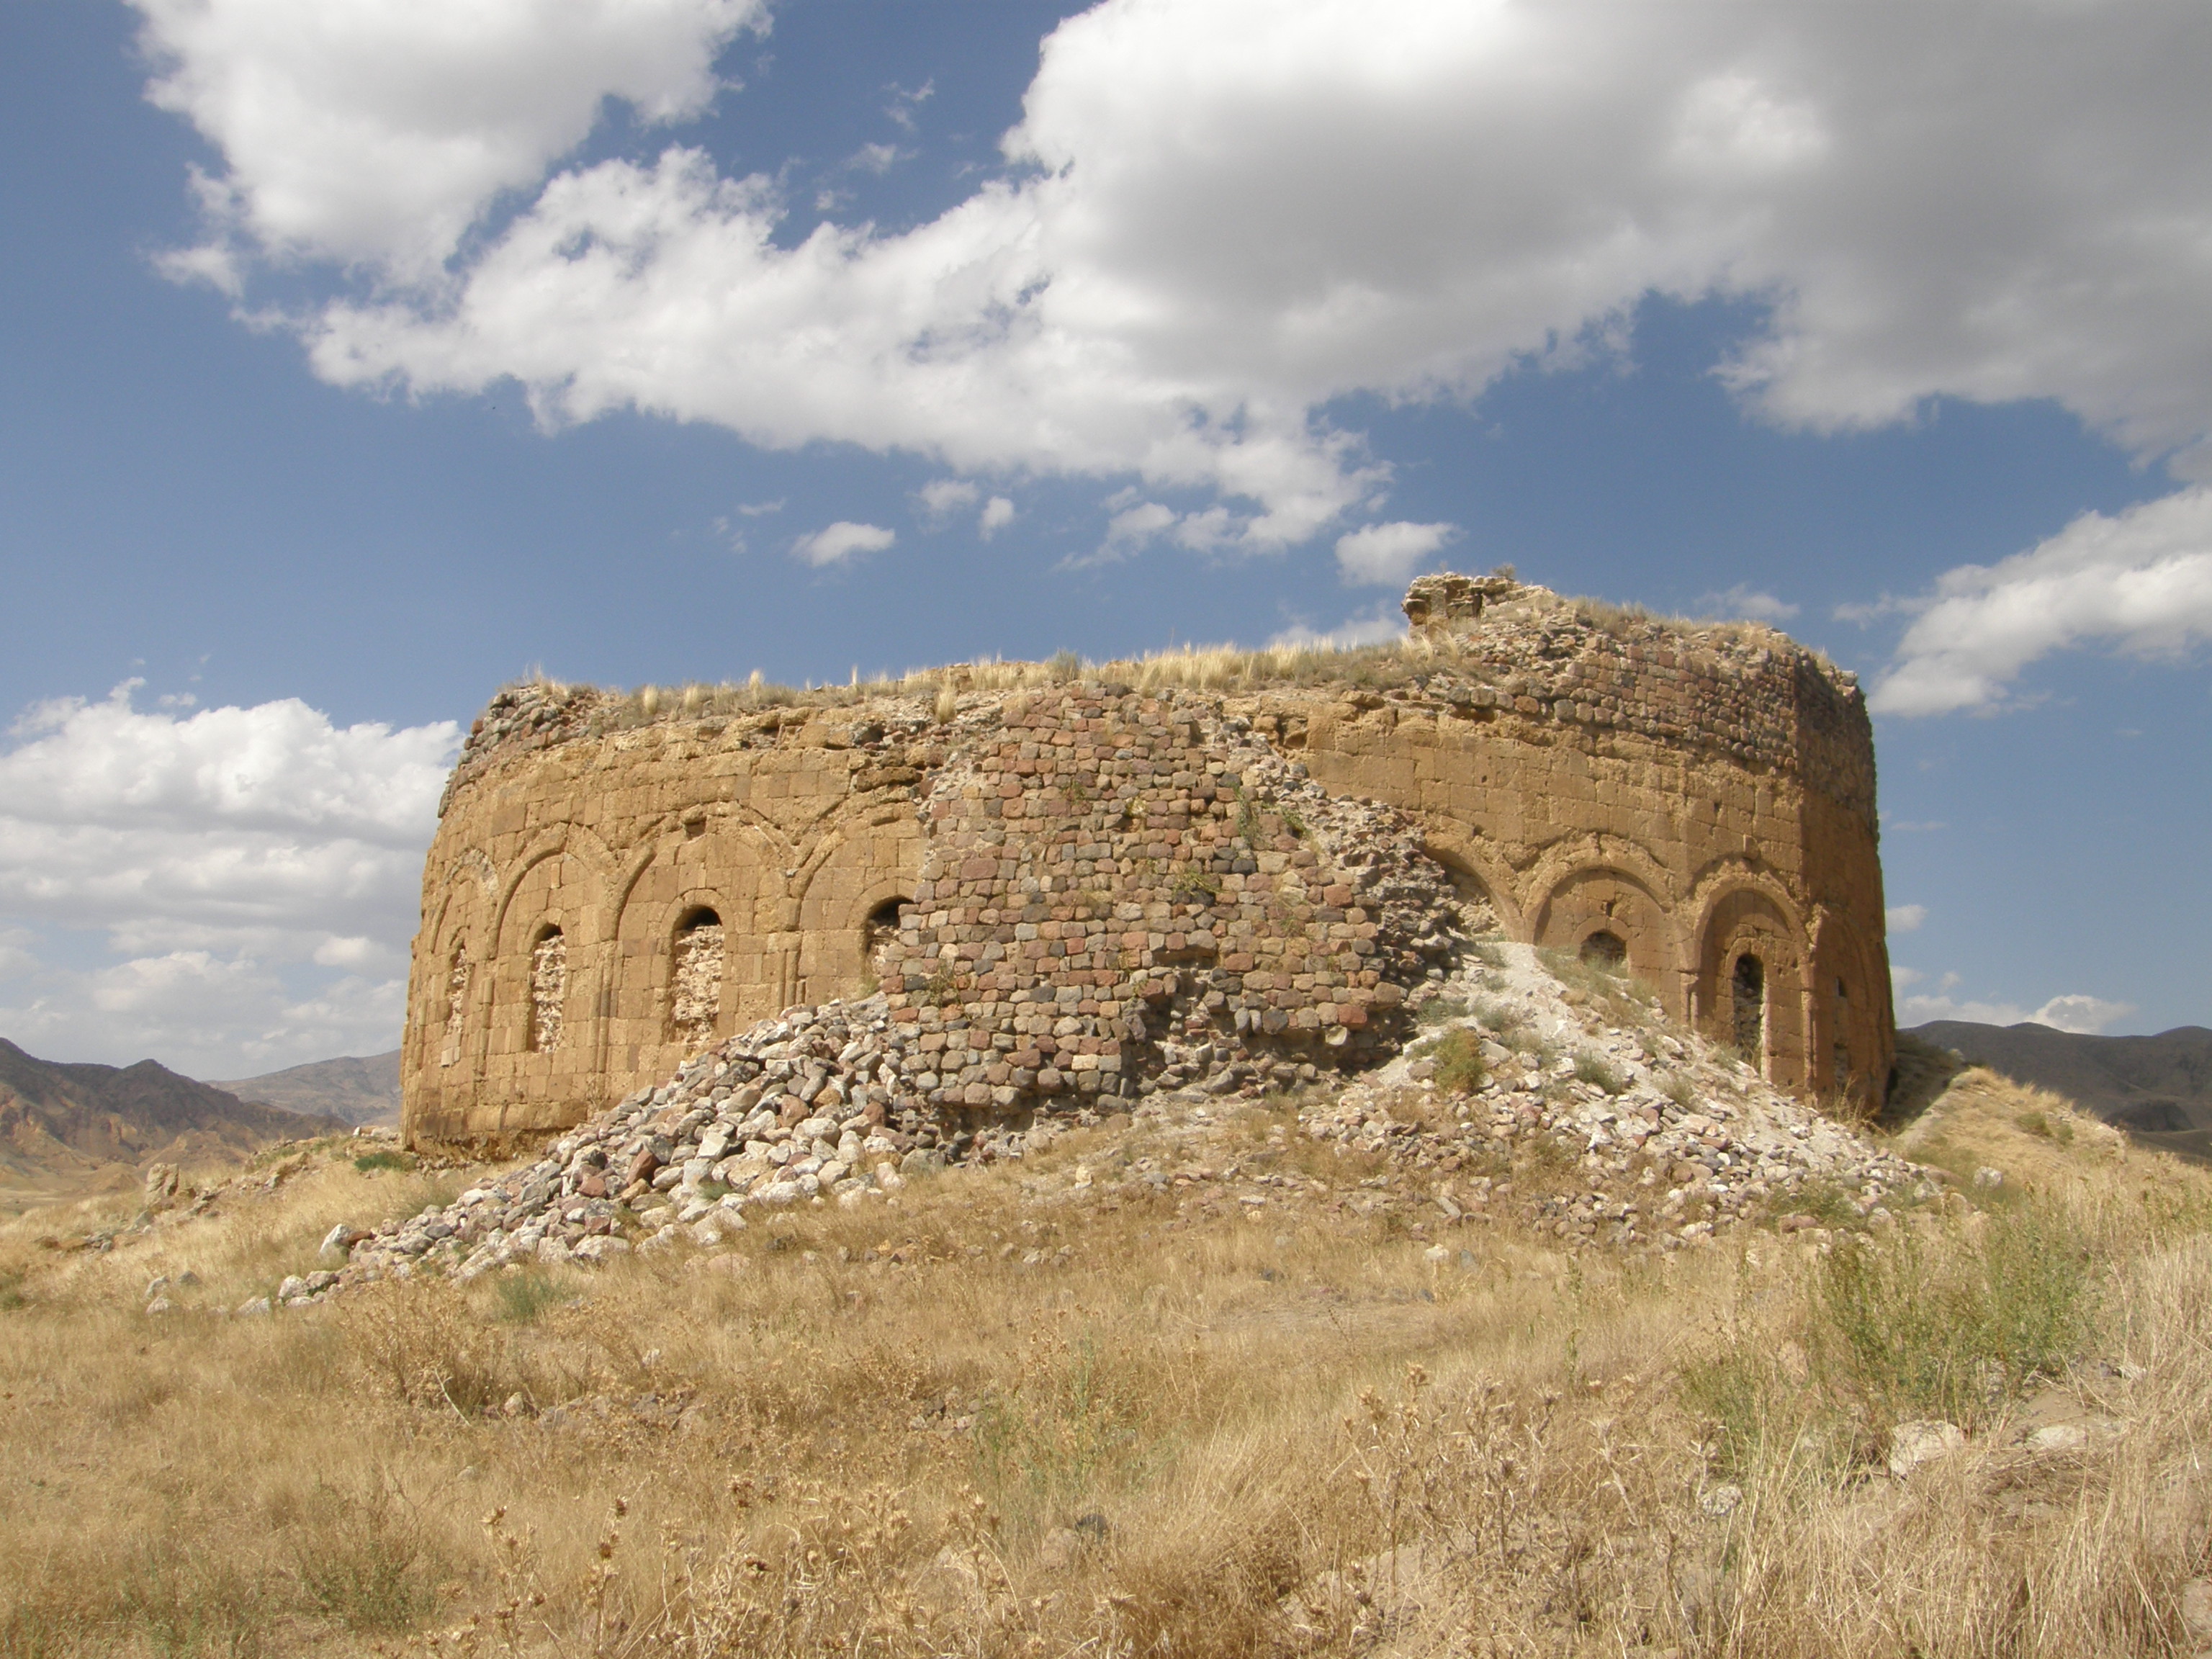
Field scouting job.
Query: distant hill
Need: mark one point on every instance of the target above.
(2157, 1088)
(66, 1126)
(358, 1089)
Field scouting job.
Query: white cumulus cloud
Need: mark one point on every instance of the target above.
(942, 497)
(1906, 918)
(2140, 581)
(1387, 554)
(836, 542)
(998, 513)
(376, 131)
(1223, 214)
(225, 854)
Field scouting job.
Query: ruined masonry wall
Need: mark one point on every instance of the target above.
(1087, 889)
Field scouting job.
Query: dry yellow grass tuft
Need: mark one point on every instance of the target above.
(1013, 1417)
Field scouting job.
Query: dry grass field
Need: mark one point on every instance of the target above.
(990, 1419)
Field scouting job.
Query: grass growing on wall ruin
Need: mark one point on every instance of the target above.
(1215, 668)
(985, 1424)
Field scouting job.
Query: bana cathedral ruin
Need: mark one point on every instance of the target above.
(1074, 885)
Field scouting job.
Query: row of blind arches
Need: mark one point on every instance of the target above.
(700, 958)
(1747, 1001)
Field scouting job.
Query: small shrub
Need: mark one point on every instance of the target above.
(523, 1296)
(1595, 1069)
(1066, 1433)
(1438, 1010)
(1459, 1068)
(1194, 887)
(361, 1558)
(1498, 1016)
(385, 1160)
(1488, 954)
(1679, 1089)
(1828, 1203)
(2040, 1124)
(1945, 1325)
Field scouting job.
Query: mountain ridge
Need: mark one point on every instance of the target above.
(2158, 1088)
(66, 1124)
(360, 1089)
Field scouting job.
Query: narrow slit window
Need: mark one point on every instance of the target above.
(696, 998)
(1749, 983)
(457, 1004)
(549, 989)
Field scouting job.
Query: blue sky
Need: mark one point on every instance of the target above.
(363, 356)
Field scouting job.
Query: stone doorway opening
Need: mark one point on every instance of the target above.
(1747, 986)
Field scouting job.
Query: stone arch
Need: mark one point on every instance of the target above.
(719, 862)
(450, 1039)
(1605, 949)
(572, 843)
(1749, 919)
(857, 867)
(1478, 877)
(1617, 853)
(538, 1055)
(459, 968)
(1605, 903)
(881, 925)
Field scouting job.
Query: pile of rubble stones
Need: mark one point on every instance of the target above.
(1642, 1135)
(807, 1107)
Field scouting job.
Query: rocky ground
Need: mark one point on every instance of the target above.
(1545, 1089)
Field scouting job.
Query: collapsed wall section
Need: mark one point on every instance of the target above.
(1121, 889)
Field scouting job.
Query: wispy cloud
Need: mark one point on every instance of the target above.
(843, 540)
(1387, 555)
(1373, 628)
(1743, 601)
(940, 498)
(2140, 581)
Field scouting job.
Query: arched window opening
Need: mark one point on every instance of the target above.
(880, 928)
(695, 1004)
(1605, 949)
(1749, 984)
(457, 1003)
(549, 989)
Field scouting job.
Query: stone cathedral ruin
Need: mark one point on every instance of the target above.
(1073, 886)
